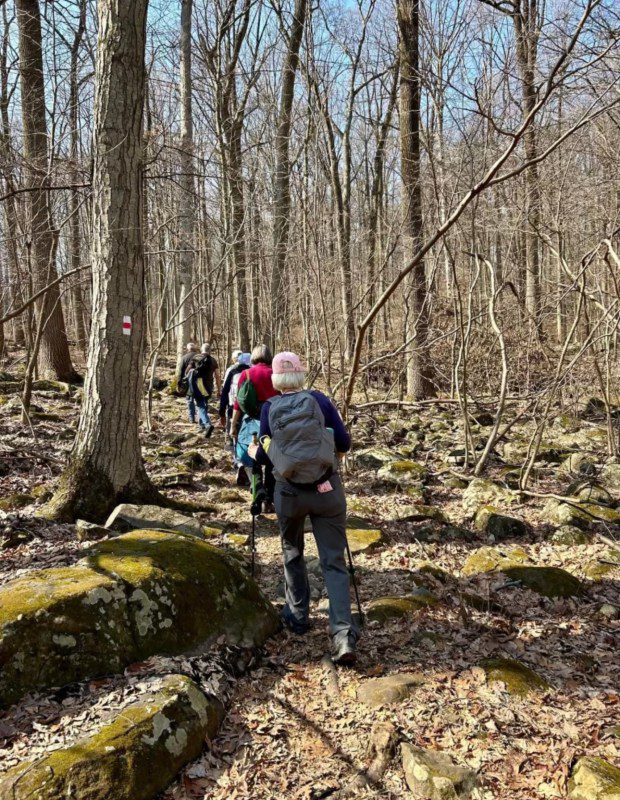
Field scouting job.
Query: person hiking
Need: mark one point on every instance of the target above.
(182, 382)
(202, 372)
(247, 407)
(229, 390)
(300, 434)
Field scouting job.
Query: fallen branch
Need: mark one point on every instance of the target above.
(333, 687)
(383, 741)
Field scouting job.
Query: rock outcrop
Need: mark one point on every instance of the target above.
(136, 595)
(433, 775)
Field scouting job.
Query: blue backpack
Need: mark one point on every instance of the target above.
(249, 427)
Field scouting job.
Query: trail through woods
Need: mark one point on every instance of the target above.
(288, 733)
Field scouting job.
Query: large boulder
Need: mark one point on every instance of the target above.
(594, 779)
(488, 559)
(433, 775)
(362, 539)
(374, 457)
(133, 757)
(127, 517)
(391, 689)
(482, 492)
(138, 594)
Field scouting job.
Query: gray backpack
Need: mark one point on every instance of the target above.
(302, 448)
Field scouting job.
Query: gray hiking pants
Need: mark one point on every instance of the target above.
(328, 516)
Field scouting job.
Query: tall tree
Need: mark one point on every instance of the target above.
(282, 192)
(187, 203)
(54, 358)
(106, 464)
(419, 368)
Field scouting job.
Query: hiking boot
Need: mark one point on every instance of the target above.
(289, 621)
(343, 652)
(209, 431)
(268, 507)
(242, 477)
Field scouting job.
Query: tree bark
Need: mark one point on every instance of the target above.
(282, 195)
(419, 368)
(54, 357)
(106, 465)
(187, 203)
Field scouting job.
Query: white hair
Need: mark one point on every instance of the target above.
(288, 381)
(191, 346)
(206, 348)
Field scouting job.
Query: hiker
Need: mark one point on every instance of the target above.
(182, 382)
(229, 390)
(202, 371)
(254, 388)
(300, 434)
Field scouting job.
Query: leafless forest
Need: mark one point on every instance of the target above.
(422, 199)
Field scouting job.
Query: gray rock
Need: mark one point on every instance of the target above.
(128, 517)
(391, 689)
(433, 775)
(89, 531)
(609, 611)
(569, 535)
(500, 526)
(482, 492)
(594, 779)
(610, 477)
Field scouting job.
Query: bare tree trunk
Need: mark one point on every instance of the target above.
(54, 356)
(187, 203)
(419, 369)
(76, 236)
(106, 464)
(282, 194)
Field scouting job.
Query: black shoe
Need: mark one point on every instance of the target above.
(268, 507)
(289, 621)
(209, 431)
(242, 477)
(344, 652)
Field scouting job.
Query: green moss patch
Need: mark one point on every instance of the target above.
(361, 539)
(133, 757)
(12, 502)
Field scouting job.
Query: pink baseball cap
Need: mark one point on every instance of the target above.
(286, 362)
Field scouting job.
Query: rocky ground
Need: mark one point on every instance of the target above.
(492, 618)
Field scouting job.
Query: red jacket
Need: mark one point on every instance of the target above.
(260, 375)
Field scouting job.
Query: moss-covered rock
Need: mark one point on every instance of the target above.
(594, 779)
(384, 608)
(361, 539)
(374, 457)
(179, 477)
(481, 492)
(416, 513)
(433, 775)
(499, 526)
(427, 568)
(362, 506)
(402, 473)
(225, 496)
(590, 493)
(12, 502)
(569, 536)
(578, 464)
(54, 387)
(139, 594)
(610, 477)
(193, 460)
(547, 581)
(597, 569)
(518, 679)
(133, 757)
(127, 517)
(580, 514)
(391, 689)
(488, 559)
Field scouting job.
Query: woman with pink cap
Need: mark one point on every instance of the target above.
(300, 433)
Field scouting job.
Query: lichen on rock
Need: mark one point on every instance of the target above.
(594, 779)
(133, 757)
(518, 679)
(384, 608)
(433, 775)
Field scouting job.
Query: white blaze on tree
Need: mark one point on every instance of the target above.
(106, 464)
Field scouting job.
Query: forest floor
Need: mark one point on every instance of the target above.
(285, 733)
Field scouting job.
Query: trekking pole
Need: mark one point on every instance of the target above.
(253, 538)
(354, 581)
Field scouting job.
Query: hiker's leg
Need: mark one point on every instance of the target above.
(328, 516)
(290, 508)
(191, 408)
(203, 412)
